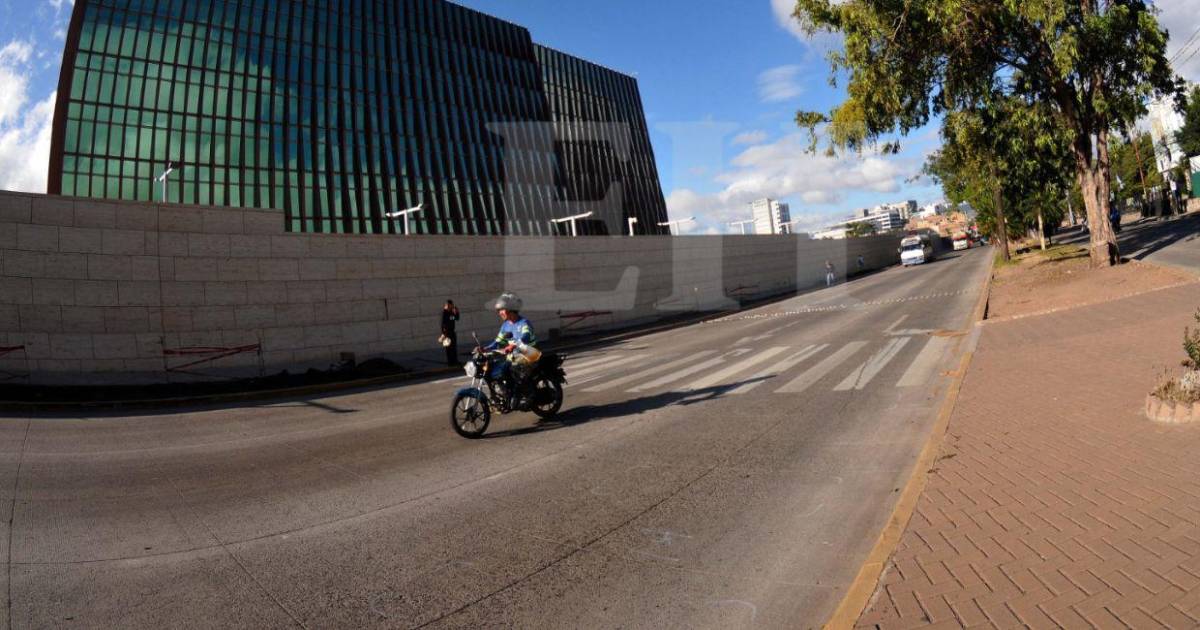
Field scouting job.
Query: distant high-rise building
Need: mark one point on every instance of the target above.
(771, 217)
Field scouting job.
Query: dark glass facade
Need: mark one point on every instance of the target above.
(338, 112)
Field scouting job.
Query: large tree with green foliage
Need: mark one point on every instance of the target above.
(1093, 62)
(1009, 161)
(1189, 136)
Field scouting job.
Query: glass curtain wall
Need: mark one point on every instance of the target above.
(334, 113)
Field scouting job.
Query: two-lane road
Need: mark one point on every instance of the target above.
(727, 474)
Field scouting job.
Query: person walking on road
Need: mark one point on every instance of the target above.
(449, 335)
(830, 278)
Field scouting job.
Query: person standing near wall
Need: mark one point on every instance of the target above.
(449, 335)
(830, 277)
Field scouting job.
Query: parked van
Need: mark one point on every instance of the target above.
(916, 250)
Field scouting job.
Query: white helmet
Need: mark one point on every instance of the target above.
(508, 302)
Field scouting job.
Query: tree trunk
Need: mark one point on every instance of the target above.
(1001, 225)
(1092, 173)
(1041, 229)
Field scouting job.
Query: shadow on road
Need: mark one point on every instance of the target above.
(635, 406)
(1143, 238)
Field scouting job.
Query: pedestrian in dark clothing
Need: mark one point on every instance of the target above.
(449, 336)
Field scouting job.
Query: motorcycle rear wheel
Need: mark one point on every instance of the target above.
(470, 415)
(547, 398)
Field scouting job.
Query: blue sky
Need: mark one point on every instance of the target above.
(720, 79)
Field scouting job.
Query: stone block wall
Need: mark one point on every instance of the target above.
(94, 291)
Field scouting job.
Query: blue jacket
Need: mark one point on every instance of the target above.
(512, 332)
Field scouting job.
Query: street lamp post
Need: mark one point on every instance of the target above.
(572, 220)
(674, 225)
(163, 178)
(403, 214)
(742, 224)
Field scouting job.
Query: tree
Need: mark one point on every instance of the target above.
(1093, 62)
(860, 229)
(1008, 160)
(1189, 136)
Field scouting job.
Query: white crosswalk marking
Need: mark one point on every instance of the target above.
(579, 376)
(863, 375)
(637, 376)
(818, 371)
(676, 375)
(735, 369)
(590, 363)
(779, 368)
(923, 366)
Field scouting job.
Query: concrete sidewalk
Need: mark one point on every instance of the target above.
(1054, 502)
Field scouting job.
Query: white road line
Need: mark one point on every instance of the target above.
(676, 375)
(895, 325)
(580, 376)
(779, 368)
(590, 363)
(637, 376)
(731, 371)
(863, 375)
(818, 371)
(922, 368)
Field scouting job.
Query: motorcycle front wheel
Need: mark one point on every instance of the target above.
(547, 398)
(470, 415)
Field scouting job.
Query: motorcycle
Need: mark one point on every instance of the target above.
(539, 389)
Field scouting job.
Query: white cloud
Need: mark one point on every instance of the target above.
(784, 169)
(24, 131)
(819, 43)
(750, 137)
(783, 16)
(58, 4)
(1182, 21)
(780, 84)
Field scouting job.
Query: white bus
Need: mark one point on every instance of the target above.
(916, 250)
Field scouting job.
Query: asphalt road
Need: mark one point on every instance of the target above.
(727, 474)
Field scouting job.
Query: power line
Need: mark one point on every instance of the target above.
(1184, 62)
(1185, 46)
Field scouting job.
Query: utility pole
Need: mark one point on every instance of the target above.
(1137, 154)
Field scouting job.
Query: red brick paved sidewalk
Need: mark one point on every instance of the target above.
(1054, 502)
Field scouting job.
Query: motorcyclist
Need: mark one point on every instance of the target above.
(516, 335)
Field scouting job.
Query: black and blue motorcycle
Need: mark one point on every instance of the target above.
(537, 388)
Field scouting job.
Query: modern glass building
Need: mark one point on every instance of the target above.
(338, 112)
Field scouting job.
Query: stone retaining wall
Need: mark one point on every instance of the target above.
(96, 291)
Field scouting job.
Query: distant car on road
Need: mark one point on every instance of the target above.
(962, 241)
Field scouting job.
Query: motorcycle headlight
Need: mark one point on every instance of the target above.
(471, 369)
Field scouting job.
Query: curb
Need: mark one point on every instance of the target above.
(862, 588)
(1171, 412)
